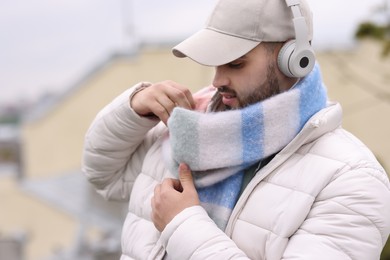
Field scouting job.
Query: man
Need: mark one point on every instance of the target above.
(256, 166)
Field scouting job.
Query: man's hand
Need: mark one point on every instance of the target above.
(161, 98)
(172, 196)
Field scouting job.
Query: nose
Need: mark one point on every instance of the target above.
(220, 77)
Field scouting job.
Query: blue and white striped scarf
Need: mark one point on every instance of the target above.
(219, 146)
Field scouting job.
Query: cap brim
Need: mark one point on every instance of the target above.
(212, 48)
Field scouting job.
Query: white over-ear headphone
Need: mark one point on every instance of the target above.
(296, 57)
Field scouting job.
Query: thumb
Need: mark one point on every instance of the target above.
(185, 177)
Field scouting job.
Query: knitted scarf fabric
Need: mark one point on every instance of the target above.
(219, 146)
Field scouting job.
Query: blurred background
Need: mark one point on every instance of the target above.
(62, 61)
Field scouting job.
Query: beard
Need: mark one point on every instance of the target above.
(263, 91)
(266, 90)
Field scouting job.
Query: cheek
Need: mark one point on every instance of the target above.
(251, 83)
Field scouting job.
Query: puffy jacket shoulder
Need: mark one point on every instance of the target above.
(350, 216)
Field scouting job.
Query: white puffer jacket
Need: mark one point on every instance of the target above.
(324, 196)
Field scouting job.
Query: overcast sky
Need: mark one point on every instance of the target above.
(46, 46)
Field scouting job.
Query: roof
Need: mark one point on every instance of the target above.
(47, 103)
(72, 194)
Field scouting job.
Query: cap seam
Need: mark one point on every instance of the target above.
(211, 17)
(233, 35)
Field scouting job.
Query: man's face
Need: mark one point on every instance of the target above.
(249, 79)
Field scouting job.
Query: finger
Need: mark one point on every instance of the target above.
(169, 183)
(160, 111)
(167, 104)
(182, 96)
(185, 100)
(185, 177)
(153, 100)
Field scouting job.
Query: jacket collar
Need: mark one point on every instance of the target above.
(326, 120)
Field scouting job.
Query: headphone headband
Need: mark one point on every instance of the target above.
(296, 58)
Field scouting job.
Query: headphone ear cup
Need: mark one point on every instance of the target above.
(294, 62)
(284, 56)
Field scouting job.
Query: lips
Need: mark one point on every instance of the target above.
(227, 95)
(229, 99)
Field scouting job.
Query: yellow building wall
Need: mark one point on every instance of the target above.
(359, 79)
(46, 228)
(53, 143)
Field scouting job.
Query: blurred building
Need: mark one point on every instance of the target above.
(81, 225)
(359, 79)
(53, 133)
(9, 145)
(62, 215)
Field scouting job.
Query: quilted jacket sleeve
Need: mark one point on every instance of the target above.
(193, 235)
(115, 146)
(350, 218)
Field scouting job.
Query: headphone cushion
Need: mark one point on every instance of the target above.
(284, 58)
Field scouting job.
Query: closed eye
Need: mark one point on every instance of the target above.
(236, 64)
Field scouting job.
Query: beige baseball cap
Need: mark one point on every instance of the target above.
(235, 27)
